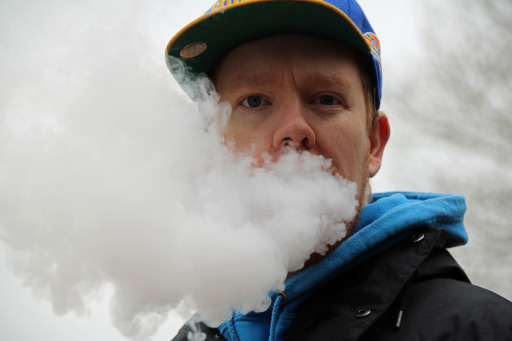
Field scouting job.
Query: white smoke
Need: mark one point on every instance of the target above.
(111, 177)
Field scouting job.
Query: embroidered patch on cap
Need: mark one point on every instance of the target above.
(193, 49)
(374, 44)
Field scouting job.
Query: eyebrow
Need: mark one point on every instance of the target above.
(334, 79)
(253, 80)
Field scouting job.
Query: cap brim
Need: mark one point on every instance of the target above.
(221, 31)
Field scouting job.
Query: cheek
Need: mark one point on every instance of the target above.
(243, 139)
(348, 149)
(235, 136)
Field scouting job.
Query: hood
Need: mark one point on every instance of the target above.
(386, 220)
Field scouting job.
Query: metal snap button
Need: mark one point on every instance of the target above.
(416, 238)
(363, 313)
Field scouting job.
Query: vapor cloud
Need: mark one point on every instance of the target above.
(110, 176)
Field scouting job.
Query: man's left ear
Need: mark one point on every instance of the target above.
(379, 136)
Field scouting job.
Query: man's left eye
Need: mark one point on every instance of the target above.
(326, 100)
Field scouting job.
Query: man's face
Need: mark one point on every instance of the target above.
(302, 92)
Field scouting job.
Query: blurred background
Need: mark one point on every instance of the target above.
(451, 125)
(447, 83)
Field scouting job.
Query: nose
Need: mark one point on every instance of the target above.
(293, 129)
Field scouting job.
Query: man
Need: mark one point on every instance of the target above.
(306, 75)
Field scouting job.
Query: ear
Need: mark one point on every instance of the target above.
(379, 136)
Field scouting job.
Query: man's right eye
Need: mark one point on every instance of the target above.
(253, 101)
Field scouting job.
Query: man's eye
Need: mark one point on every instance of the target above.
(326, 100)
(253, 101)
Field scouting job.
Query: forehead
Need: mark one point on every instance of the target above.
(262, 60)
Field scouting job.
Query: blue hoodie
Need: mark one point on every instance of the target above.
(385, 221)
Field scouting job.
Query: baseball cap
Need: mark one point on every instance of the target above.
(229, 23)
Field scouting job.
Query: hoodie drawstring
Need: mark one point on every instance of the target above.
(280, 298)
(401, 299)
(232, 331)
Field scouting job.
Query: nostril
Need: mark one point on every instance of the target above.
(287, 145)
(287, 142)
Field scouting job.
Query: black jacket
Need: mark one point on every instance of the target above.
(413, 291)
